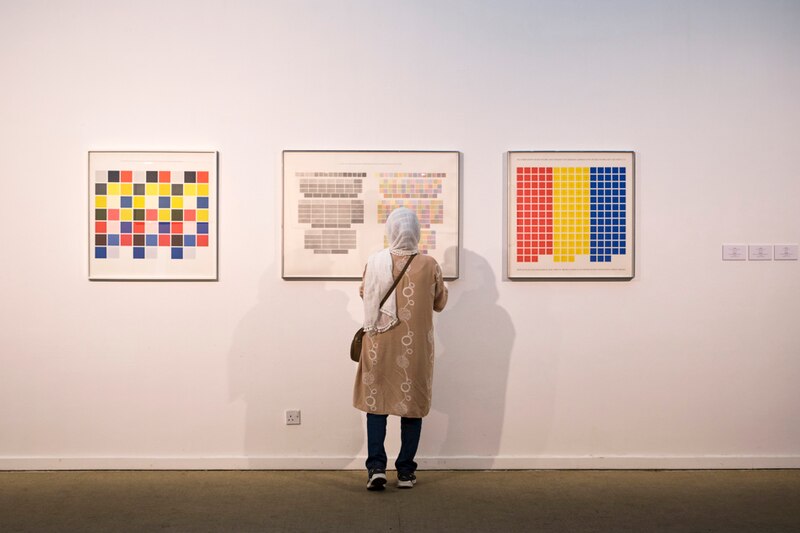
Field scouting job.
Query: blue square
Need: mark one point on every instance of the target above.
(151, 240)
(138, 253)
(202, 228)
(177, 253)
(126, 201)
(163, 227)
(113, 239)
(100, 252)
(126, 227)
(202, 202)
(622, 250)
(163, 202)
(189, 240)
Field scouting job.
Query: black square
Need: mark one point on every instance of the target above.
(100, 240)
(190, 176)
(113, 176)
(138, 189)
(100, 189)
(138, 240)
(138, 214)
(177, 189)
(177, 215)
(152, 176)
(177, 240)
(99, 214)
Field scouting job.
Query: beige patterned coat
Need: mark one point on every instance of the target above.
(395, 374)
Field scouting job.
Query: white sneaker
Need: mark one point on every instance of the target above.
(377, 479)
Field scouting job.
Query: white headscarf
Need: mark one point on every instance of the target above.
(402, 230)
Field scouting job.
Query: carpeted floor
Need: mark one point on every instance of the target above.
(319, 501)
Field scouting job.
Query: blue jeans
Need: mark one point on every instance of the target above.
(410, 429)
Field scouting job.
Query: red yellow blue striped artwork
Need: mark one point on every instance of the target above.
(570, 215)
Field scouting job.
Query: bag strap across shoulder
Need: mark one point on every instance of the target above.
(396, 281)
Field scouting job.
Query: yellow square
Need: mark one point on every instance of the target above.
(100, 201)
(164, 189)
(202, 189)
(127, 189)
(177, 202)
(113, 189)
(202, 215)
(164, 215)
(138, 202)
(126, 214)
(151, 189)
(190, 189)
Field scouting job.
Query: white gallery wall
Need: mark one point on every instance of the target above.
(693, 363)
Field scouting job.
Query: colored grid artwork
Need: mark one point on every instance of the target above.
(410, 188)
(330, 241)
(330, 206)
(147, 214)
(428, 211)
(564, 212)
(331, 188)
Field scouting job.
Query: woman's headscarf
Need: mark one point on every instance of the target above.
(402, 232)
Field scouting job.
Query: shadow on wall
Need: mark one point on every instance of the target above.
(475, 339)
(283, 357)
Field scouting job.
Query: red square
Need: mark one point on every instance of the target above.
(163, 176)
(151, 214)
(202, 240)
(113, 214)
(177, 227)
(100, 227)
(202, 176)
(138, 227)
(189, 215)
(126, 176)
(163, 239)
(126, 239)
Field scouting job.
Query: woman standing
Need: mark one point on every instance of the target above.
(395, 373)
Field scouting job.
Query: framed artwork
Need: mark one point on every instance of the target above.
(570, 215)
(153, 215)
(335, 205)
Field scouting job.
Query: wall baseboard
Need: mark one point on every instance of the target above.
(707, 462)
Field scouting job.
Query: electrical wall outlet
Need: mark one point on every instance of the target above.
(293, 417)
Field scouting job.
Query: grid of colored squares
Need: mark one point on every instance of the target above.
(428, 211)
(411, 175)
(330, 241)
(325, 213)
(564, 212)
(417, 188)
(330, 188)
(149, 211)
(331, 174)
